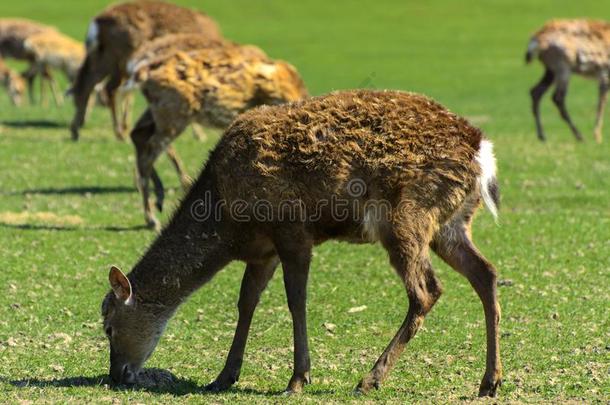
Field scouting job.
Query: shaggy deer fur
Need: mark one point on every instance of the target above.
(14, 83)
(14, 32)
(427, 166)
(565, 47)
(209, 86)
(112, 38)
(163, 47)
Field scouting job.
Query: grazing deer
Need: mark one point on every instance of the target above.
(162, 47)
(209, 86)
(565, 47)
(419, 172)
(112, 38)
(13, 82)
(58, 51)
(14, 33)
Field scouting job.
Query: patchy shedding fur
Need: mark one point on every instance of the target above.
(209, 86)
(571, 46)
(404, 148)
(112, 38)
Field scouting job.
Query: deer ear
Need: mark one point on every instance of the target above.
(120, 285)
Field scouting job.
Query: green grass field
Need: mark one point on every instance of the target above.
(69, 210)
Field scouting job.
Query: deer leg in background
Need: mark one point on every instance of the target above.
(111, 90)
(198, 132)
(604, 85)
(127, 109)
(255, 280)
(537, 92)
(55, 92)
(185, 180)
(29, 75)
(559, 98)
(89, 75)
(140, 136)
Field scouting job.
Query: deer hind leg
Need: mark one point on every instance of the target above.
(198, 132)
(145, 158)
(254, 282)
(604, 85)
(91, 73)
(185, 179)
(559, 98)
(126, 110)
(454, 245)
(50, 79)
(29, 75)
(537, 92)
(407, 246)
(111, 90)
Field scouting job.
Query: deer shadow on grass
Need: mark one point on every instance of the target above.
(80, 190)
(33, 124)
(42, 227)
(179, 387)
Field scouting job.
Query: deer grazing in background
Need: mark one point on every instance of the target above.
(14, 33)
(112, 38)
(421, 172)
(565, 47)
(13, 82)
(209, 86)
(57, 51)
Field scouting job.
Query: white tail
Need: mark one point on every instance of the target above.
(92, 36)
(487, 179)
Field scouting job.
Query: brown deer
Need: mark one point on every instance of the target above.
(209, 86)
(571, 46)
(14, 33)
(13, 82)
(57, 51)
(407, 172)
(112, 38)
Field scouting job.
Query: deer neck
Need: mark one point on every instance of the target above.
(188, 253)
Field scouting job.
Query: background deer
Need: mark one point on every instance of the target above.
(565, 47)
(57, 51)
(430, 166)
(14, 33)
(112, 38)
(13, 82)
(209, 86)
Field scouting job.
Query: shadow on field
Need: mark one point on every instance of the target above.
(179, 387)
(34, 124)
(81, 190)
(37, 227)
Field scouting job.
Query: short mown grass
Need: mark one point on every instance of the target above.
(69, 210)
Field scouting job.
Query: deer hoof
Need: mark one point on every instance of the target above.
(366, 384)
(153, 223)
(489, 387)
(218, 386)
(297, 382)
(74, 133)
